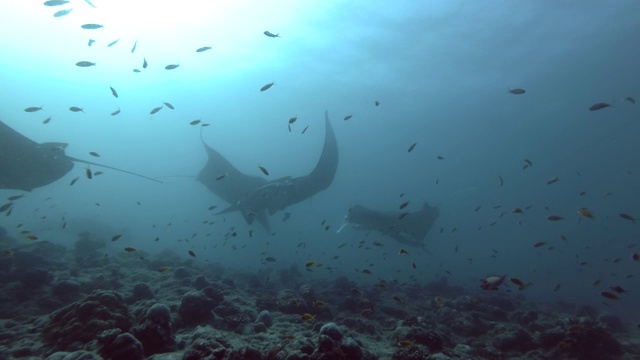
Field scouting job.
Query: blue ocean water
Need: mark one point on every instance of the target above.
(441, 72)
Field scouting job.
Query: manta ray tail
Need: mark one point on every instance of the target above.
(113, 168)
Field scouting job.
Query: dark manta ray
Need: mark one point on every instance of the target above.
(406, 228)
(254, 197)
(26, 165)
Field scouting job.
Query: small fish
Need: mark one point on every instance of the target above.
(169, 105)
(171, 66)
(76, 109)
(5, 207)
(15, 197)
(62, 12)
(404, 205)
(195, 122)
(98, 173)
(366, 312)
(629, 99)
(557, 287)
(33, 109)
(609, 295)
(115, 112)
(74, 181)
(264, 171)
(491, 282)
(516, 91)
(307, 317)
(439, 301)
(318, 303)
(267, 86)
(554, 218)
(397, 298)
(539, 244)
(270, 259)
(366, 271)
(91, 41)
(377, 103)
(309, 263)
(93, 153)
(90, 4)
(586, 213)
(440, 157)
(113, 43)
(501, 180)
(519, 283)
(635, 256)
(192, 254)
(89, 174)
(46, 121)
(113, 92)
(116, 237)
(411, 147)
(404, 251)
(164, 268)
(203, 49)
(136, 70)
(553, 180)
(55, 2)
(619, 289)
(85, 64)
(627, 217)
(30, 237)
(220, 177)
(599, 106)
(293, 119)
(348, 117)
(305, 129)
(271, 35)
(134, 46)
(402, 215)
(91, 26)
(144, 63)
(155, 110)
(130, 249)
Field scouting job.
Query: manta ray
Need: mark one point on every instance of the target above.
(26, 165)
(255, 197)
(408, 228)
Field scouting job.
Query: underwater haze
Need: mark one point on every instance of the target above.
(517, 120)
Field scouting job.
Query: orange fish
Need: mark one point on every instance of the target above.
(586, 213)
(307, 317)
(163, 268)
(30, 237)
(521, 285)
(609, 295)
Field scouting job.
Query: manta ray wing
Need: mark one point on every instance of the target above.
(224, 180)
